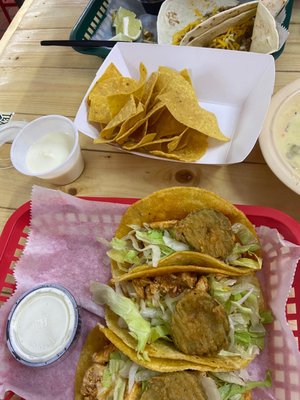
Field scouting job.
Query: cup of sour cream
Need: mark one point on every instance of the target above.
(42, 325)
(48, 148)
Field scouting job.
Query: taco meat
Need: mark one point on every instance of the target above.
(171, 284)
(92, 381)
(91, 384)
(175, 386)
(206, 230)
(199, 324)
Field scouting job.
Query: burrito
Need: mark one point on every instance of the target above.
(206, 322)
(183, 226)
(248, 27)
(105, 372)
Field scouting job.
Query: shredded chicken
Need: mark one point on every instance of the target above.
(163, 224)
(202, 284)
(172, 284)
(102, 357)
(91, 384)
(91, 381)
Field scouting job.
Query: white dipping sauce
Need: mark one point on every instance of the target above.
(42, 325)
(48, 152)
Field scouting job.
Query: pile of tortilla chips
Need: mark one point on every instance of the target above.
(159, 115)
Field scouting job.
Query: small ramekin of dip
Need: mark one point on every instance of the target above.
(43, 325)
(48, 148)
(280, 137)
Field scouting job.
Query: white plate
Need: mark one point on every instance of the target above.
(283, 106)
(236, 86)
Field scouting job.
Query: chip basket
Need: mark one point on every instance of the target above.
(16, 230)
(97, 14)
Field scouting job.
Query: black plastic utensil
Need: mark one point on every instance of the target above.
(79, 43)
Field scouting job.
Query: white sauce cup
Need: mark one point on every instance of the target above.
(42, 325)
(68, 163)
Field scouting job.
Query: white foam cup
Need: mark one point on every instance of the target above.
(57, 131)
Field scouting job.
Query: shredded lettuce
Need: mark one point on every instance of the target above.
(159, 332)
(125, 308)
(266, 317)
(245, 236)
(119, 376)
(243, 253)
(210, 388)
(119, 389)
(106, 378)
(240, 297)
(144, 330)
(144, 245)
(174, 244)
(230, 390)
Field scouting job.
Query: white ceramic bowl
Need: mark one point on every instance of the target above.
(276, 138)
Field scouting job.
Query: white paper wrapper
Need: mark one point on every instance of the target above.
(281, 354)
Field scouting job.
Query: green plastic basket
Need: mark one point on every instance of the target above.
(96, 12)
(89, 21)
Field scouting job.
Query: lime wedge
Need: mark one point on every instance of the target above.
(120, 14)
(131, 27)
(120, 37)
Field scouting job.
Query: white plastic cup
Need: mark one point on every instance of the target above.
(62, 174)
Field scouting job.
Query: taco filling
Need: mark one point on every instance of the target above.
(204, 231)
(113, 376)
(238, 37)
(108, 374)
(178, 36)
(200, 315)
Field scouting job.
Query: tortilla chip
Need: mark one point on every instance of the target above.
(112, 91)
(178, 102)
(170, 115)
(128, 130)
(99, 110)
(110, 72)
(144, 140)
(194, 148)
(126, 112)
(148, 89)
(167, 124)
(185, 74)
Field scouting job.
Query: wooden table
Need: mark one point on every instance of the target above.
(36, 81)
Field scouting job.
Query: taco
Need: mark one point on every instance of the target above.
(105, 372)
(249, 26)
(183, 226)
(177, 17)
(208, 322)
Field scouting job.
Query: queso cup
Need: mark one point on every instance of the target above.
(67, 170)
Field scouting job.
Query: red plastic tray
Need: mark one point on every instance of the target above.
(16, 230)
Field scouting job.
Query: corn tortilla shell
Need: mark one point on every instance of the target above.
(174, 204)
(94, 342)
(163, 350)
